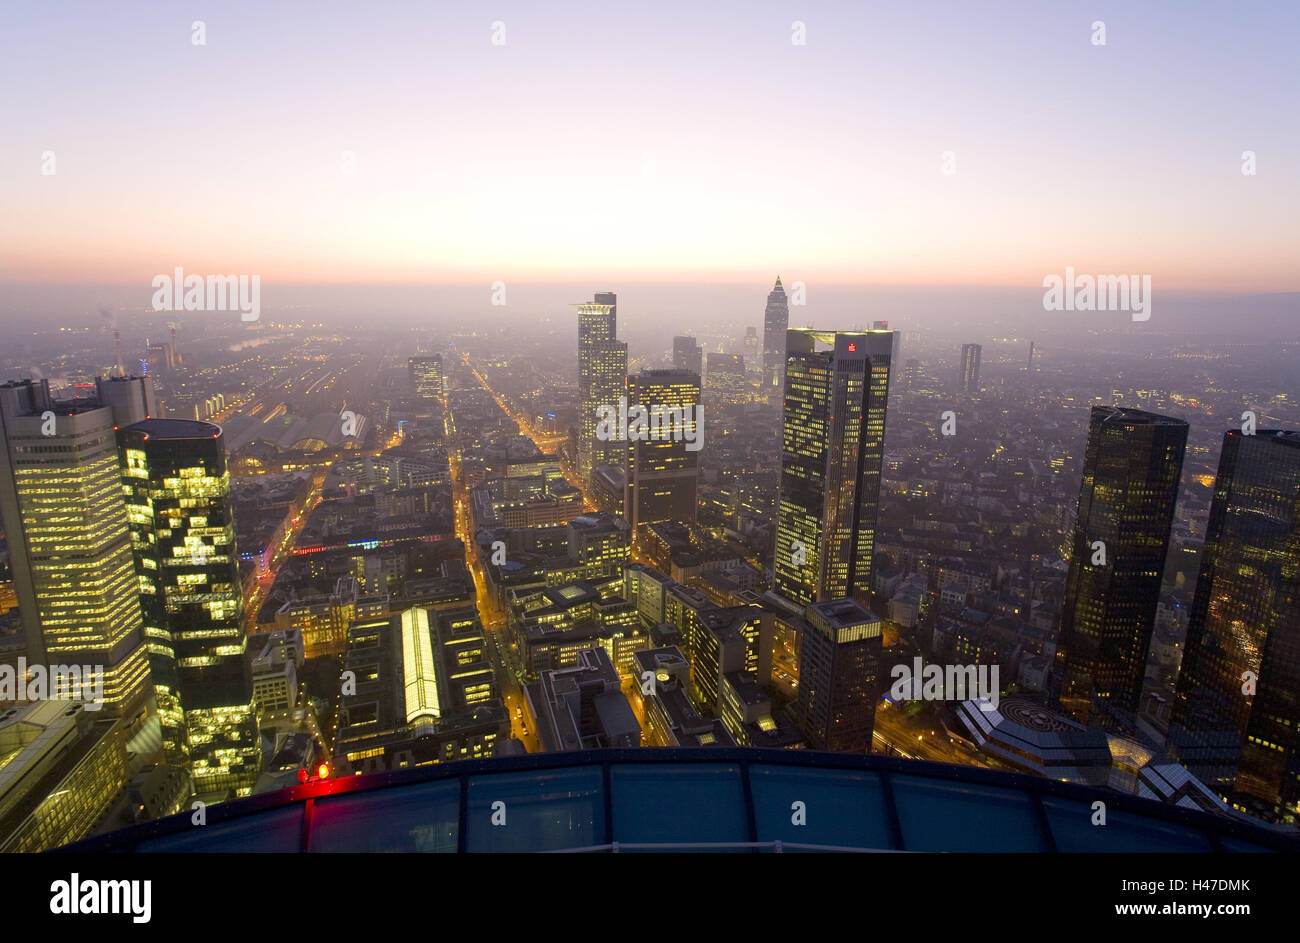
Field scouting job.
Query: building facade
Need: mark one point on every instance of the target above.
(1131, 470)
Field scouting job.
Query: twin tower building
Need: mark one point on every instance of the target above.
(1235, 721)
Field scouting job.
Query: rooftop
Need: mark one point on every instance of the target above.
(699, 797)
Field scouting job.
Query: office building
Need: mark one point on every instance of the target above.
(61, 766)
(663, 466)
(69, 541)
(602, 380)
(1245, 624)
(840, 675)
(1131, 469)
(427, 378)
(970, 368)
(178, 501)
(688, 355)
(582, 707)
(660, 697)
(833, 433)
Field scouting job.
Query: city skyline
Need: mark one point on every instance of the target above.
(725, 427)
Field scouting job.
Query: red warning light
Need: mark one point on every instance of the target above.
(323, 771)
(302, 775)
(853, 348)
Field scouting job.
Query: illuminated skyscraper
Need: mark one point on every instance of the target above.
(776, 319)
(970, 368)
(426, 376)
(663, 469)
(602, 380)
(833, 434)
(726, 384)
(1244, 633)
(178, 497)
(69, 544)
(1131, 470)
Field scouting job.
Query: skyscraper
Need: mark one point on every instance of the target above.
(833, 433)
(178, 496)
(1245, 624)
(602, 379)
(688, 355)
(776, 319)
(726, 383)
(970, 368)
(1131, 470)
(426, 377)
(839, 675)
(69, 543)
(749, 348)
(662, 470)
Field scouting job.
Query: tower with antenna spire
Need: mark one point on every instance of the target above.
(776, 319)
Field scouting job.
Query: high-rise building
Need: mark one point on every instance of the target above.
(833, 433)
(426, 376)
(663, 467)
(839, 675)
(69, 543)
(178, 500)
(1131, 470)
(1236, 713)
(688, 355)
(970, 368)
(749, 348)
(776, 319)
(726, 384)
(602, 380)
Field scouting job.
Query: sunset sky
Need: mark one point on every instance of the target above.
(657, 143)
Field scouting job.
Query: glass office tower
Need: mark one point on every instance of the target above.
(602, 379)
(688, 355)
(178, 492)
(1245, 624)
(663, 469)
(833, 434)
(69, 544)
(1131, 470)
(970, 368)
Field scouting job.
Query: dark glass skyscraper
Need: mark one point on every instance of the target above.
(1131, 471)
(970, 368)
(688, 355)
(839, 675)
(602, 380)
(776, 319)
(833, 433)
(178, 503)
(1245, 624)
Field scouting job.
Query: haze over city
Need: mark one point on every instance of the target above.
(756, 427)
